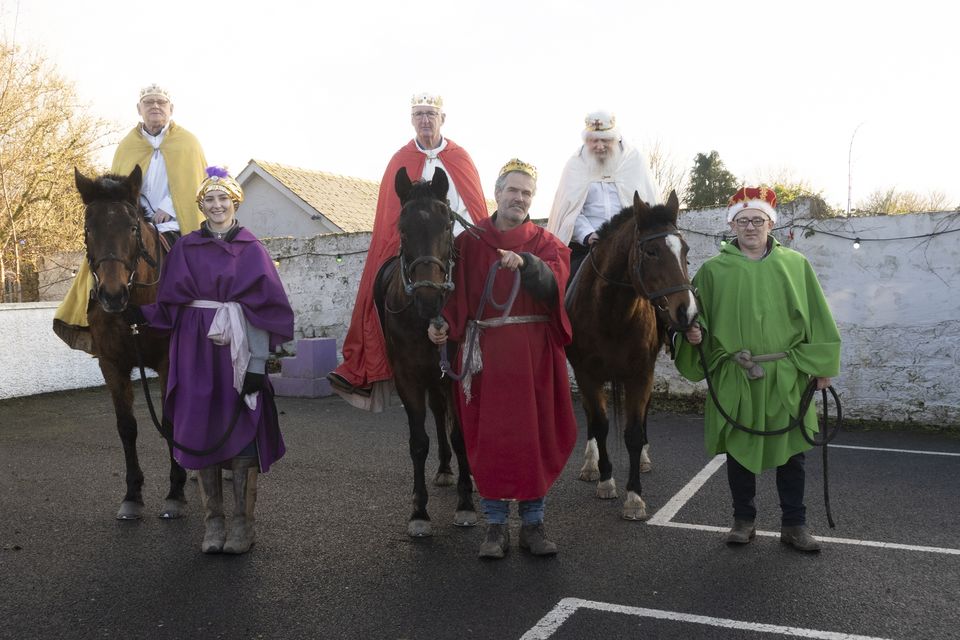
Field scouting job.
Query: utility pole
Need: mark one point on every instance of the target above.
(850, 169)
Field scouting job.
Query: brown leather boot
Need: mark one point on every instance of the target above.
(496, 542)
(211, 493)
(743, 531)
(241, 536)
(799, 538)
(534, 540)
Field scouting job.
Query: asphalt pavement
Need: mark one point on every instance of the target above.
(333, 559)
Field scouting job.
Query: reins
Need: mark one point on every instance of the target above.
(805, 400)
(486, 296)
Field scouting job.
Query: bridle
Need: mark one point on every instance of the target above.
(406, 271)
(142, 254)
(657, 297)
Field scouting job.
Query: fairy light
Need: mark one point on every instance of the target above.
(856, 243)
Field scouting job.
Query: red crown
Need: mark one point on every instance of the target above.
(760, 198)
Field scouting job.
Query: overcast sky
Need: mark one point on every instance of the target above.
(772, 86)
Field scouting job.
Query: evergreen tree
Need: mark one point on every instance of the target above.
(711, 185)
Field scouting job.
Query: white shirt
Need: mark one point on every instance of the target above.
(155, 192)
(602, 203)
(433, 161)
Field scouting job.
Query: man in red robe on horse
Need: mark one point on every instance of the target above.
(363, 378)
(514, 397)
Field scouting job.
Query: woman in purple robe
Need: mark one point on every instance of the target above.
(222, 301)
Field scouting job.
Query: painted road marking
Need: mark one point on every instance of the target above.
(550, 623)
(664, 517)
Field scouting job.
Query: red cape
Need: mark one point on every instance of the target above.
(364, 350)
(519, 425)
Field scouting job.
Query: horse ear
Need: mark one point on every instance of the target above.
(135, 181)
(638, 204)
(673, 204)
(401, 184)
(440, 184)
(85, 186)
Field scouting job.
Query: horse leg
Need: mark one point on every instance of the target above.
(466, 513)
(637, 395)
(121, 392)
(590, 471)
(174, 505)
(414, 403)
(438, 405)
(595, 406)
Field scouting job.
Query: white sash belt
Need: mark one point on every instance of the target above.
(229, 327)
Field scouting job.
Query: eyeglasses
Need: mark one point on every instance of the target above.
(756, 222)
(155, 103)
(431, 115)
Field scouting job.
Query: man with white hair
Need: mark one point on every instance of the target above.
(173, 166)
(597, 182)
(364, 377)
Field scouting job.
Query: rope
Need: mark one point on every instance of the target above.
(805, 400)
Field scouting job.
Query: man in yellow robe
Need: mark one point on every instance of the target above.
(173, 167)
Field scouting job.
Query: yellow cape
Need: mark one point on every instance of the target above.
(185, 171)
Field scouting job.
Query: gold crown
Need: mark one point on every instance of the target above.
(154, 90)
(516, 164)
(426, 100)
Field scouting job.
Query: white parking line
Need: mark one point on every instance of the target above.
(551, 622)
(664, 517)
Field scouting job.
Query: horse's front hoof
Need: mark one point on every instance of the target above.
(173, 509)
(634, 508)
(444, 479)
(465, 518)
(590, 475)
(419, 529)
(607, 489)
(130, 510)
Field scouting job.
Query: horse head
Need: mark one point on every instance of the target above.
(426, 240)
(658, 262)
(113, 235)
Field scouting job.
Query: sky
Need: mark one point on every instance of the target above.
(834, 93)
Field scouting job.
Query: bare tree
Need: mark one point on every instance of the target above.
(890, 201)
(668, 173)
(44, 134)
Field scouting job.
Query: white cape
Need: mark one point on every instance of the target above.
(631, 174)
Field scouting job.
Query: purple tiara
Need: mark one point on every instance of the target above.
(220, 172)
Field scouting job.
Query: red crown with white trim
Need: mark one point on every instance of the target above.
(757, 198)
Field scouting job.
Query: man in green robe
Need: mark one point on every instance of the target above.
(766, 329)
(173, 167)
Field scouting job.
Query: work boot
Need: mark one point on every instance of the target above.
(799, 538)
(241, 536)
(534, 540)
(211, 493)
(743, 531)
(496, 541)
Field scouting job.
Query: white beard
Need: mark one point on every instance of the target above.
(598, 168)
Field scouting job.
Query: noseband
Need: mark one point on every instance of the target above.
(406, 273)
(142, 254)
(660, 293)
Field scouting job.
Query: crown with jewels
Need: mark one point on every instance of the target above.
(154, 90)
(426, 100)
(516, 164)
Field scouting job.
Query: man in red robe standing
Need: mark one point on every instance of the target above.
(514, 397)
(363, 378)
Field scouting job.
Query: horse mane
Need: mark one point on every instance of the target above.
(658, 215)
(420, 189)
(112, 187)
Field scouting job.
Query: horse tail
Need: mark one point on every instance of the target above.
(616, 404)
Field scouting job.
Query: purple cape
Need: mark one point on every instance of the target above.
(200, 399)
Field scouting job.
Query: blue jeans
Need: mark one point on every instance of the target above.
(790, 484)
(497, 511)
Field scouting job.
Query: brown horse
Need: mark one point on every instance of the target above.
(631, 287)
(124, 256)
(411, 291)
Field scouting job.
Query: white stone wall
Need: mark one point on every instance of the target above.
(894, 301)
(34, 360)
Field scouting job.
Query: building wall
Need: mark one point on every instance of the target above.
(268, 214)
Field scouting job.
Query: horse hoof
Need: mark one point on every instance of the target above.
(192, 475)
(589, 475)
(444, 479)
(173, 509)
(419, 528)
(607, 489)
(465, 518)
(634, 508)
(130, 511)
(645, 467)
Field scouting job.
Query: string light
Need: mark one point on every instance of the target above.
(336, 256)
(856, 243)
(339, 258)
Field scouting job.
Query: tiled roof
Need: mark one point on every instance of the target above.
(349, 203)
